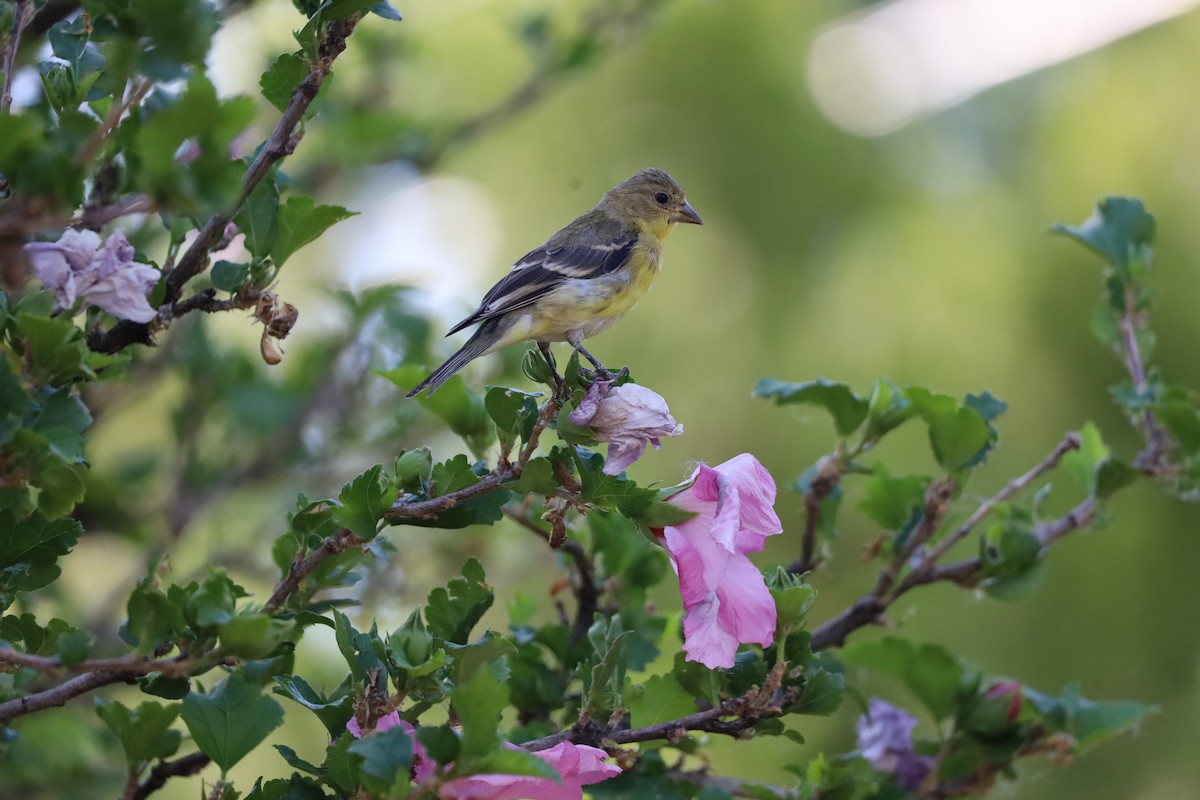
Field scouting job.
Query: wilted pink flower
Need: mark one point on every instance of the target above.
(626, 417)
(724, 595)
(884, 736)
(579, 765)
(422, 766)
(76, 266)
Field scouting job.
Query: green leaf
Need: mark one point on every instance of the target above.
(144, 732)
(251, 636)
(441, 742)
(386, 755)
(482, 652)
(887, 409)
(930, 672)
(538, 478)
(281, 79)
(1119, 230)
(230, 720)
(1081, 464)
(55, 348)
(661, 513)
(29, 550)
(213, 603)
(61, 420)
(301, 221)
(1010, 555)
(1112, 475)
(333, 712)
(824, 687)
(603, 692)
(1089, 721)
(793, 600)
(452, 612)
(848, 409)
(228, 276)
(610, 492)
(960, 436)
(364, 501)
(386, 10)
(479, 702)
(258, 219)
(513, 412)
(660, 699)
(891, 502)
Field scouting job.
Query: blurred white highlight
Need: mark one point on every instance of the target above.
(873, 72)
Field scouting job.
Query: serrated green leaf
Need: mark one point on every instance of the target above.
(386, 755)
(228, 276)
(514, 413)
(479, 702)
(959, 435)
(364, 501)
(213, 602)
(931, 673)
(301, 221)
(890, 501)
(29, 550)
(55, 348)
(281, 79)
(610, 492)
(230, 720)
(1119, 230)
(453, 611)
(660, 699)
(250, 636)
(538, 478)
(848, 409)
(144, 732)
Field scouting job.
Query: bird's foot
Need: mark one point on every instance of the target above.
(603, 374)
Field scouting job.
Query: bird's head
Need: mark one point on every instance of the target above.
(650, 197)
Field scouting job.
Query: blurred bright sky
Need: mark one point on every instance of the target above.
(872, 72)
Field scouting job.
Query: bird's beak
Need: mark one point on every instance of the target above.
(687, 214)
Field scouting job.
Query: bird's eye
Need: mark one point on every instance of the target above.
(661, 198)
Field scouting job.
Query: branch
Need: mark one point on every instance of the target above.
(97, 137)
(1069, 442)
(165, 770)
(59, 695)
(334, 543)
(279, 144)
(172, 667)
(22, 14)
(829, 474)
(430, 508)
(747, 709)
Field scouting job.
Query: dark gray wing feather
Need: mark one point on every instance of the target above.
(598, 246)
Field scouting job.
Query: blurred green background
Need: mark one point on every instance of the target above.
(919, 255)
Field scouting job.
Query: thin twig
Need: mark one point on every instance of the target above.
(824, 483)
(165, 770)
(279, 144)
(96, 140)
(1071, 441)
(22, 13)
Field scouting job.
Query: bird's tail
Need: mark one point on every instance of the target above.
(480, 343)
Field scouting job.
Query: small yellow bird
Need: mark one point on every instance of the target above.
(583, 279)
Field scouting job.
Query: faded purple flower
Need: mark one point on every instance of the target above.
(884, 736)
(76, 266)
(726, 601)
(627, 417)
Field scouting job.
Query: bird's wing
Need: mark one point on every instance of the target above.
(563, 257)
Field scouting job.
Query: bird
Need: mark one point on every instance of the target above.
(582, 279)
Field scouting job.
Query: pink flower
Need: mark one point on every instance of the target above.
(422, 765)
(579, 765)
(724, 596)
(76, 266)
(626, 417)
